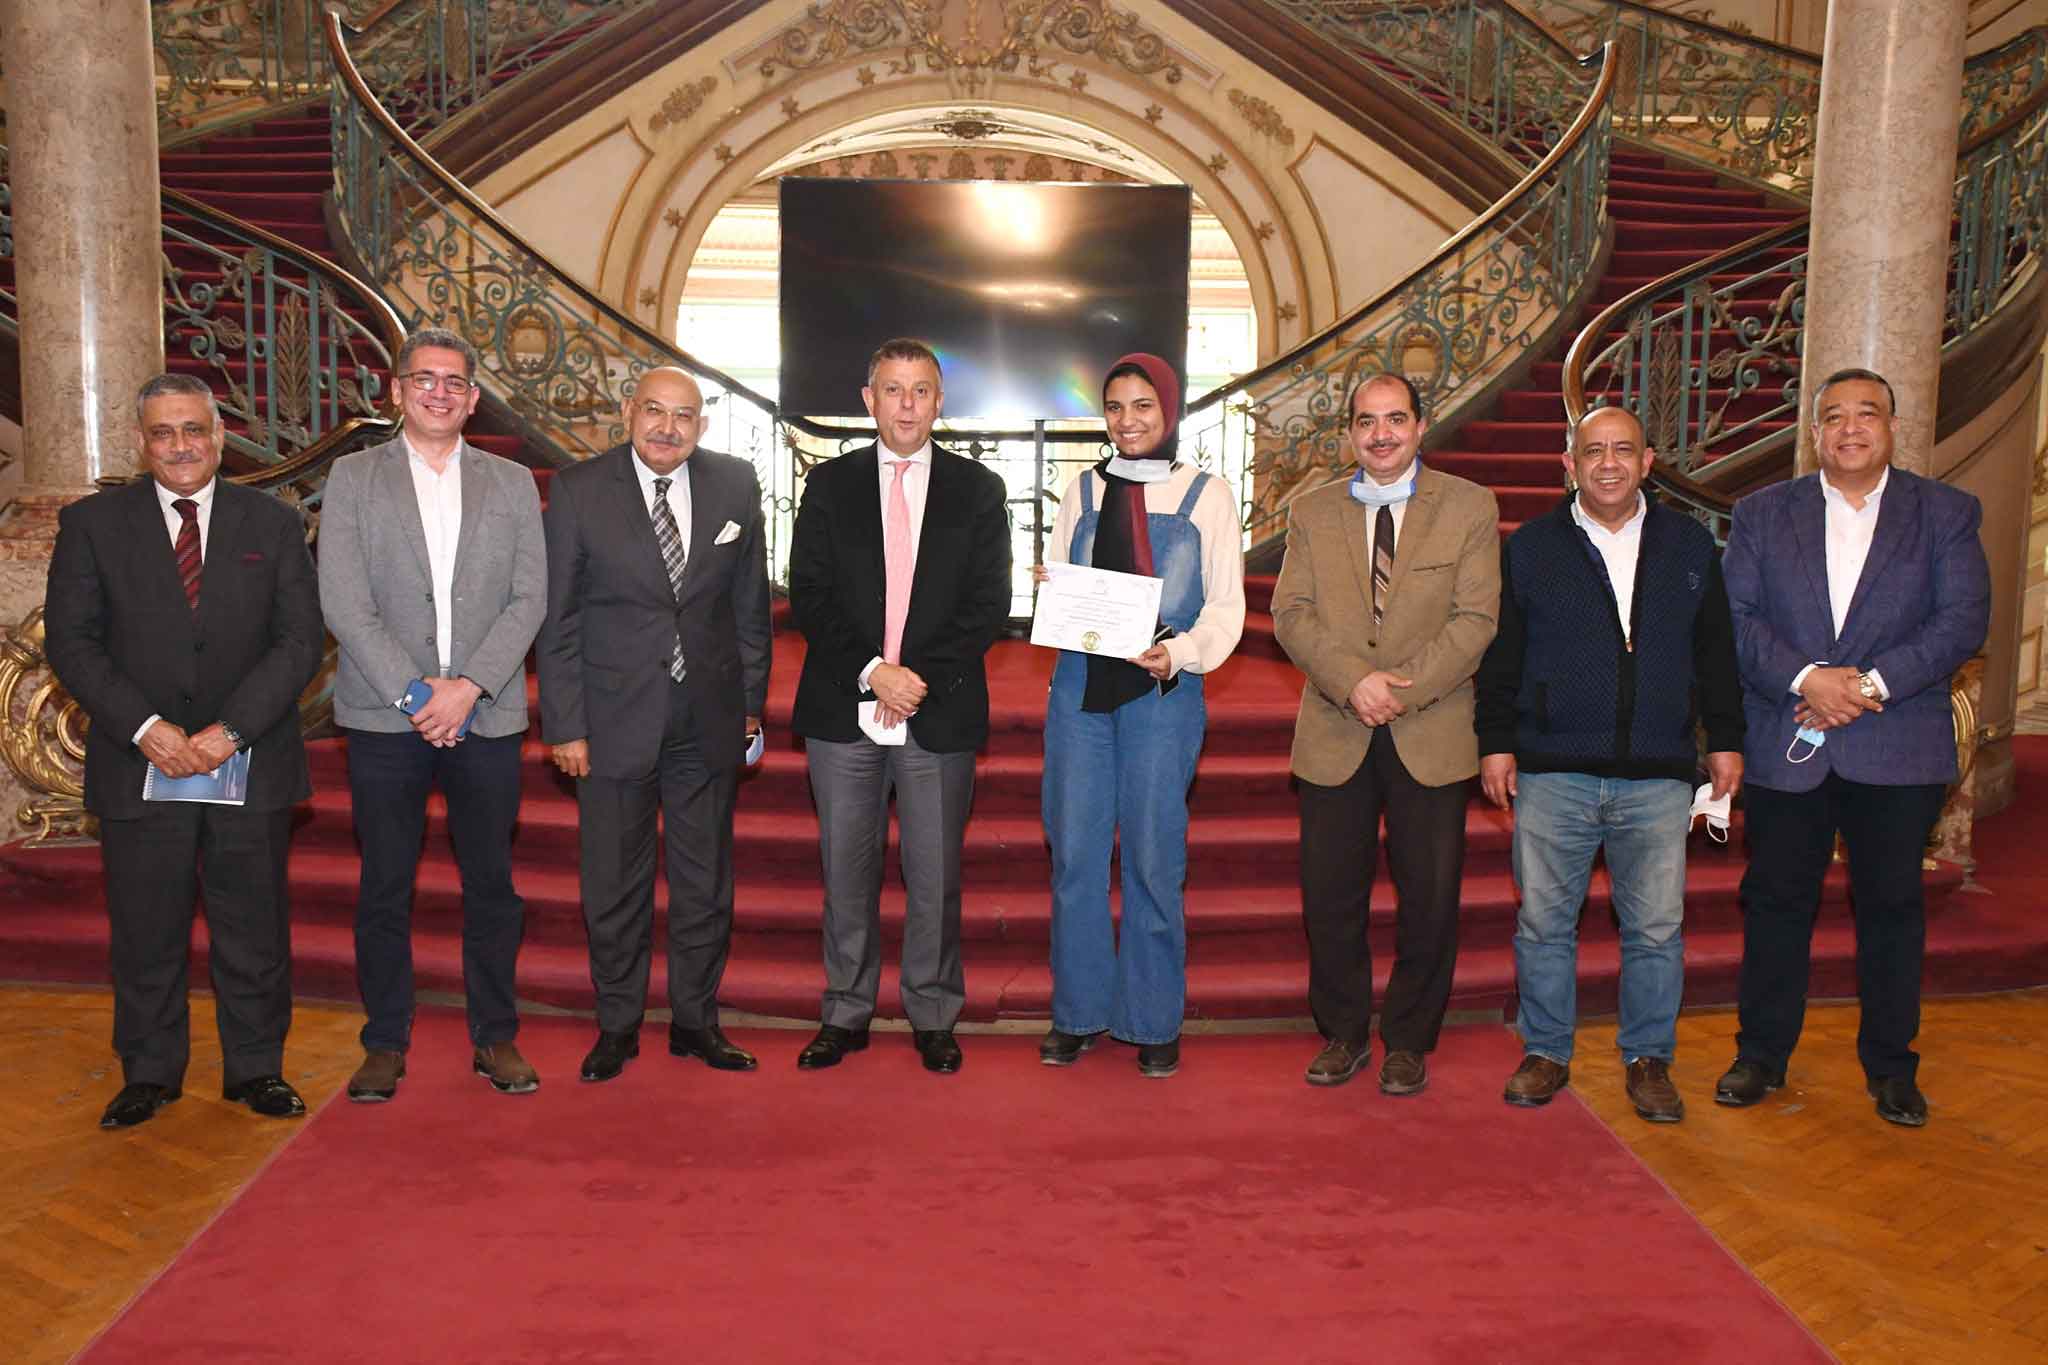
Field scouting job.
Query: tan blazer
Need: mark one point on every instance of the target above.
(1442, 608)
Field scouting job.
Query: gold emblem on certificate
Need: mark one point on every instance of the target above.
(1091, 641)
(1096, 611)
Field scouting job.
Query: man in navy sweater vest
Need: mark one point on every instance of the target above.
(1614, 643)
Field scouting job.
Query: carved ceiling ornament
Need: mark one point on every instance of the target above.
(682, 102)
(974, 40)
(1263, 117)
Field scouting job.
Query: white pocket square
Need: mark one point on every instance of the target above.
(728, 532)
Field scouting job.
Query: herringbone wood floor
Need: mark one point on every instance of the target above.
(1892, 1245)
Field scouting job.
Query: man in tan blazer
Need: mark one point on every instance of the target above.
(1387, 600)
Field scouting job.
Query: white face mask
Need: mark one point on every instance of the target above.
(1140, 471)
(1715, 812)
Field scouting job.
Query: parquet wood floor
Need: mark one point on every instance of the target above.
(1891, 1244)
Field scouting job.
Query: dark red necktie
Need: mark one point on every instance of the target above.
(187, 550)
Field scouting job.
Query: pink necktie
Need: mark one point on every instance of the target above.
(899, 561)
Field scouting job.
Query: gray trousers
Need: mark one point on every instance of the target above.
(851, 784)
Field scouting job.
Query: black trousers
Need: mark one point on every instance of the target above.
(1791, 836)
(389, 777)
(156, 867)
(694, 803)
(1339, 855)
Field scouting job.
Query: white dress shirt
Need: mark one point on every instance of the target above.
(678, 495)
(174, 523)
(440, 500)
(1209, 641)
(917, 481)
(1619, 551)
(1849, 533)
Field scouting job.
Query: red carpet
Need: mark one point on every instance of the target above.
(1012, 1213)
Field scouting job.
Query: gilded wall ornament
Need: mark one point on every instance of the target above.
(974, 40)
(1287, 312)
(682, 102)
(1217, 164)
(1263, 117)
(674, 218)
(42, 737)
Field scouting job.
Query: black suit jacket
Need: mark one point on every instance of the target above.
(124, 643)
(959, 596)
(612, 619)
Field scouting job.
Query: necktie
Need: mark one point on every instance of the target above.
(899, 562)
(670, 541)
(186, 548)
(1382, 560)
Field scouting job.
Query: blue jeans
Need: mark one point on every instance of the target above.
(1125, 770)
(1561, 821)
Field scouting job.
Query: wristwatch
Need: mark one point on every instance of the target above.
(233, 737)
(1867, 685)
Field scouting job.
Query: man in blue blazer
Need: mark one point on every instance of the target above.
(1857, 592)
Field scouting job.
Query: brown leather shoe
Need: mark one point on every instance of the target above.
(1403, 1073)
(1650, 1090)
(376, 1080)
(1338, 1062)
(1536, 1081)
(507, 1071)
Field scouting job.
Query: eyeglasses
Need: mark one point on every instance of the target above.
(426, 381)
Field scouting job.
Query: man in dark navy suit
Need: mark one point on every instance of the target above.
(899, 579)
(1857, 592)
(183, 615)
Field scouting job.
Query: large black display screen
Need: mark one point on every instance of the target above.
(1027, 292)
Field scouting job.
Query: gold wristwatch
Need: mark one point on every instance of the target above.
(1867, 685)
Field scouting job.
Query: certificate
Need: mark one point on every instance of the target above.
(1096, 611)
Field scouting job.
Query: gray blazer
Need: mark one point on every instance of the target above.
(377, 591)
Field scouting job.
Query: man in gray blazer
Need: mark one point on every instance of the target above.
(653, 674)
(433, 579)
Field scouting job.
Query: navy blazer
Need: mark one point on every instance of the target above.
(120, 637)
(1920, 610)
(959, 596)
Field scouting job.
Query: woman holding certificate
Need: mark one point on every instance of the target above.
(1122, 734)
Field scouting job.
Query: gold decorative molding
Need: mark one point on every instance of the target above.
(942, 37)
(1218, 164)
(42, 737)
(1287, 312)
(683, 102)
(1263, 117)
(1951, 839)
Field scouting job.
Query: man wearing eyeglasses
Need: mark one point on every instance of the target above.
(433, 578)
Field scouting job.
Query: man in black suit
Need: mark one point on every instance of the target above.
(653, 674)
(899, 578)
(183, 616)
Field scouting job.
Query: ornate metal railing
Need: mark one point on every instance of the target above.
(1708, 357)
(1487, 65)
(293, 346)
(1453, 326)
(425, 59)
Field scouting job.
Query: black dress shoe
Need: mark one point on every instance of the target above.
(1064, 1049)
(939, 1050)
(1899, 1101)
(1746, 1082)
(269, 1096)
(1159, 1060)
(710, 1043)
(610, 1056)
(830, 1047)
(137, 1103)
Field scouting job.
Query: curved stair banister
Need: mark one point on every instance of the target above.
(1708, 356)
(1457, 325)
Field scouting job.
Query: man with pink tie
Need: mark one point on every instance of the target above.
(899, 579)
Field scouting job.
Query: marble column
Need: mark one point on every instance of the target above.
(81, 133)
(1890, 107)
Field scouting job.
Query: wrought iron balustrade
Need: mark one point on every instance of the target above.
(1454, 325)
(1485, 64)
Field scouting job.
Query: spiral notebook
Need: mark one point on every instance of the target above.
(227, 785)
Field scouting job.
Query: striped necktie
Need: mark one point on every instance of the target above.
(670, 540)
(186, 548)
(1382, 560)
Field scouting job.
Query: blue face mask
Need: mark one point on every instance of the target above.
(1813, 739)
(1375, 494)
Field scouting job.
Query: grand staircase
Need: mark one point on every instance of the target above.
(1247, 954)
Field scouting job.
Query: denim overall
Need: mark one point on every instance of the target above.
(1125, 769)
